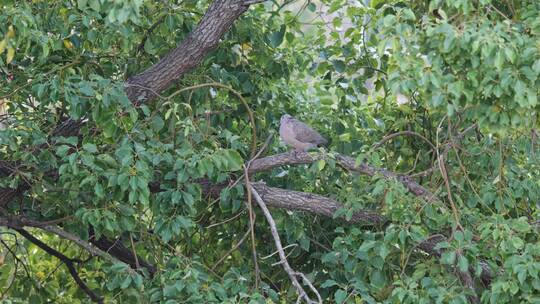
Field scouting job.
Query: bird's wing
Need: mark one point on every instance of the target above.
(306, 134)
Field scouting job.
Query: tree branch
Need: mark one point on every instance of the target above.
(216, 21)
(17, 223)
(117, 249)
(67, 261)
(146, 85)
(347, 162)
(292, 274)
(312, 203)
(409, 133)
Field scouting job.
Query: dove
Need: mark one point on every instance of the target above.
(299, 135)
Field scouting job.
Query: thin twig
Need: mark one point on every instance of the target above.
(248, 164)
(226, 255)
(251, 2)
(273, 253)
(442, 168)
(308, 283)
(18, 223)
(149, 31)
(251, 227)
(56, 221)
(225, 221)
(410, 133)
(499, 12)
(447, 148)
(134, 252)
(250, 208)
(466, 175)
(16, 258)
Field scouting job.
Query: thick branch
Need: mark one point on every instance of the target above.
(347, 162)
(122, 253)
(216, 21)
(316, 204)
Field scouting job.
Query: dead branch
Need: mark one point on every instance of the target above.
(226, 255)
(447, 146)
(292, 274)
(250, 209)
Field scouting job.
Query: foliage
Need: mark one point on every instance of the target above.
(354, 72)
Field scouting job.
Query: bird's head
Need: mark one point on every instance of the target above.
(285, 118)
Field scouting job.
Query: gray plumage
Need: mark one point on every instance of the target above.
(299, 135)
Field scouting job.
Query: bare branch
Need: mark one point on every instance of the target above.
(251, 2)
(292, 274)
(226, 255)
(252, 226)
(449, 145)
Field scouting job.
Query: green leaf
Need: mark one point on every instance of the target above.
(408, 14)
(463, 264)
(90, 147)
(276, 38)
(157, 123)
(321, 163)
(499, 60)
(329, 283)
(138, 281)
(234, 160)
(62, 150)
(448, 257)
(340, 296)
(125, 284)
(98, 190)
(521, 225)
(339, 66)
(81, 4)
(86, 89)
(95, 5)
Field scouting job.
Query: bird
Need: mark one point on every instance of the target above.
(299, 135)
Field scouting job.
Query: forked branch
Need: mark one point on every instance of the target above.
(283, 259)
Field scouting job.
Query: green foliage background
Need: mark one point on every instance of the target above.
(356, 73)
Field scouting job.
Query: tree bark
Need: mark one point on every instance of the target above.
(312, 203)
(216, 21)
